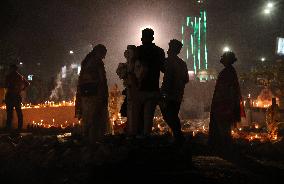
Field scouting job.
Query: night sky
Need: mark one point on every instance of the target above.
(42, 31)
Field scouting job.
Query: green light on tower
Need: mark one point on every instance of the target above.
(191, 42)
(194, 36)
(187, 54)
(187, 21)
(182, 32)
(205, 36)
(199, 35)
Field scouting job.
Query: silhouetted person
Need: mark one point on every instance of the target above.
(92, 96)
(127, 72)
(15, 84)
(225, 107)
(151, 58)
(172, 90)
(272, 117)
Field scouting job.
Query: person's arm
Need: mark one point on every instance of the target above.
(167, 79)
(162, 61)
(78, 108)
(186, 76)
(101, 81)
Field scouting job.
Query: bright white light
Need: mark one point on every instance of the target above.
(30, 77)
(137, 25)
(73, 65)
(21, 63)
(78, 70)
(63, 72)
(263, 59)
(270, 5)
(280, 46)
(267, 11)
(150, 25)
(226, 49)
(71, 52)
(147, 26)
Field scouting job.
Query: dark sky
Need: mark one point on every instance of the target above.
(45, 30)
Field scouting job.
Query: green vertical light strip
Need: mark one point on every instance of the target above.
(187, 21)
(205, 37)
(187, 43)
(199, 36)
(206, 64)
(194, 33)
(194, 45)
(187, 54)
(182, 34)
(191, 42)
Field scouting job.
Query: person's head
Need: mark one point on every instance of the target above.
(174, 47)
(147, 36)
(99, 51)
(228, 58)
(130, 52)
(13, 68)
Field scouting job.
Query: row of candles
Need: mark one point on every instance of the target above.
(45, 104)
(200, 128)
(43, 124)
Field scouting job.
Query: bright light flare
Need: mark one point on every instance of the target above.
(147, 26)
(71, 52)
(226, 49)
(270, 5)
(263, 59)
(267, 11)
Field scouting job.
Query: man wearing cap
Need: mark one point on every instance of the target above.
(226, 105)
(152, 58)
(175, 78)
(15, 83)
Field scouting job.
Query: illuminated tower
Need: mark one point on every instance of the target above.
(194, 31)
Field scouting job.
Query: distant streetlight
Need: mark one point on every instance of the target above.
(71, 52)
(270, 5)
(267, 11)
(226, 49)
(268, 8)
(263, 59)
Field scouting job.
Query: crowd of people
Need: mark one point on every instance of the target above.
(140, 74)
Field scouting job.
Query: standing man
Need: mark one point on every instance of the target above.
(151, 58)
(92, 96)
(15, 83)
(172, 90)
